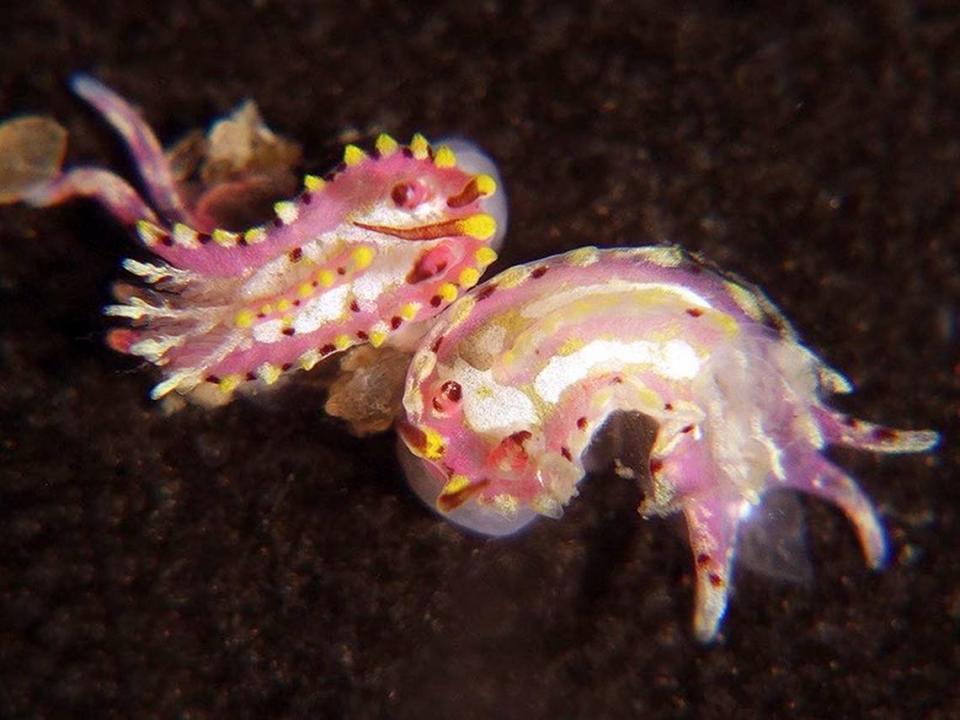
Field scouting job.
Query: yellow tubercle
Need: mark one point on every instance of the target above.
(448, 291)
(386, 145)
(266, 309)
(468, 277)
(445, 157)
(409, 311)
(485, 256)
(305, 290)
(149, 233)
(486, 185)
(244, 319)
(479, 227)
(184, 235)
(224, 237)
(313, 183)
(269, 373)
(342, 342)
(309, 359)
(326, 277)
(229, 383)
(419, 147)
(352, 155)
(287, 211)
(363, 256)
(378, 334)
(283, 305)
(255, 235)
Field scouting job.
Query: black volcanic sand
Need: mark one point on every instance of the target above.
(257, 561)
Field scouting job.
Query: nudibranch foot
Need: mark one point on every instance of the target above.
(515, 382)
(368, 253)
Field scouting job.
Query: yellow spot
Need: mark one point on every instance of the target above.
(305, 290)
(266, 309)
(230, 383)
(269, 373)
(448, 291)
(363, 256)
(485, 256)
(313, 183)
(378, 334)
(224, 237)
(286, 321)
(433, 445)
(512, 277)
(468, 277)
(287, 211)
(445, 157)
(570, 346)
(283, 305)
(486, 185)
(461, 311)
(184, 235)
(419, 147)
(255, 235)
(244, 319)
(455, 484)
(342, 342)
(480, 227)
(326, 277)
(386, 145)
(352, 155)
(409, 311)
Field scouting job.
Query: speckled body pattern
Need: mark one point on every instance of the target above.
(365, 254)
(514, 381)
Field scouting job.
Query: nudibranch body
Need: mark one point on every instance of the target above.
(365, 254)
(509, 388)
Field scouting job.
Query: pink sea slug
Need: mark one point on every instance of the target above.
(368, 253)
(514, 381)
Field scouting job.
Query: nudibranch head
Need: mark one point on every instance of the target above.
(514, 381)
(366, 254)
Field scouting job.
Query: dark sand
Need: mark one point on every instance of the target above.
(257, 561)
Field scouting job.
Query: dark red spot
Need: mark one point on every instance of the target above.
(306, 198)
(436, 300)
(486, 292)
(694, 312)
(566, 453)
(407, 152)
(395, 322)
(686, 428)
(327, 349)
(883, 434)
(401, 193)
(286, 366)
(315, 283)
(539, 272)
(668, 406)
(167, 240)
(362, 335)
(520, 437)
(296, 303)
(203, 238)
(213, 379)
(251, 376)
(715, 580)
(277, 222)
(656, 465)
(341, 166)
(341, 271)
(329, 177)
(260, 315)
(242, 241)
(453, 391)
(436, 344)
(582, 423)
(703, 559)
(288, 331)
(354, 307)
(296, 254)
(617, 380)
(851, 421)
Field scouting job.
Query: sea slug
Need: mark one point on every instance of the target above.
(366, 254)
(514, 381)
